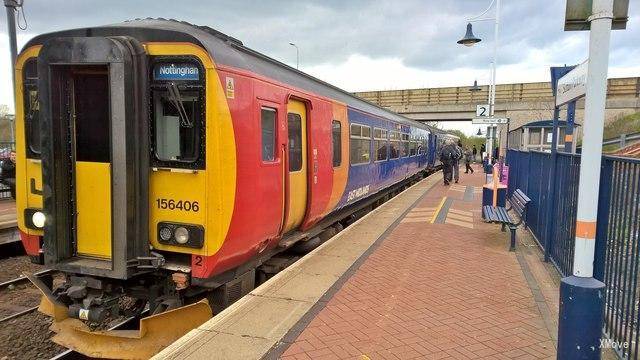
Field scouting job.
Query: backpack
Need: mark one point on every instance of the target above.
(447, 154)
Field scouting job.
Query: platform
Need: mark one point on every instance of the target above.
(420, 277)
(8, 222)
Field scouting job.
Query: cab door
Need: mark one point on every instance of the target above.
(89, 117)
(297, 161)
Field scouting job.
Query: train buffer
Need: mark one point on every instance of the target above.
(422, 276)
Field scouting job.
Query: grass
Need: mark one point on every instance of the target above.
(623, 125)
(628, 124)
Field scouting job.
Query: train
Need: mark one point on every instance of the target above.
(163, 162)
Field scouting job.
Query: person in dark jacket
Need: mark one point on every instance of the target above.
(447, 157)
(456, 163)
(468, 157)
(475, 153)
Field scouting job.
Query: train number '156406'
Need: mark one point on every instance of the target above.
(183, 205)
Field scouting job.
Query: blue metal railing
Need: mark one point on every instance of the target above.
(617, 257)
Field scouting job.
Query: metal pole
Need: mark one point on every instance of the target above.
(297, 55)
(493, 72)
(10, 6)
(551, 189)
(581, 296)
(569, 138)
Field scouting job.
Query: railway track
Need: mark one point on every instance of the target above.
(11, 284)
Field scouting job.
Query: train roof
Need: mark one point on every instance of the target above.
(229, 51)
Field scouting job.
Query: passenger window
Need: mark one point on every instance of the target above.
(268, 124)
(360, 144)
(336, 137)
(380, 144)
(177, 118)
(394, 145)
(295, 142)
(405, 145)
(31, 106)
(414, 148)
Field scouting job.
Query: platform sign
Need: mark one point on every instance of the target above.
(578, 11)
(489, 121)
(572, 85)
(483, 110)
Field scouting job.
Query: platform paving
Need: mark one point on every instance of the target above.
(421, 277)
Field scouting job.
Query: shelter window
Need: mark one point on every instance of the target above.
(360, 144)
(336, 137)
(268, 125)
(535, 136)
(31, 107)
(380, 144)
(295, 142)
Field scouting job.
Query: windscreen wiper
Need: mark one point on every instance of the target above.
(176, 101)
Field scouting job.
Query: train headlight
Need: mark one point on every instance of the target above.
(165, 233)
(181, 235)
(38, 219)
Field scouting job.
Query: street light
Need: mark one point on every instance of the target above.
(469, 40)
(297, 55)
(475, 87)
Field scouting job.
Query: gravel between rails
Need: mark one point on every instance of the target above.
(27, 336)
(13, 267)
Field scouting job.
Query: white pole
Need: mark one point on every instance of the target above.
(596, 91)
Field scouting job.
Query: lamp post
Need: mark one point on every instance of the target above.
(11, 6)
(469, 40)
(297, 55)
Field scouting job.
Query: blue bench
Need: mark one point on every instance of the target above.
(500, 215)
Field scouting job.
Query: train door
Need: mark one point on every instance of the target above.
(297, 160)
(95, 154)
(87, 92)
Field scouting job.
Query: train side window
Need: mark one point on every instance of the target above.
(336, 137)
(413, 150)
(360, 144)
(177, 125)
(405, 145)
(31, 106)
(394, 144)
(268, 125)
(380, 144)
(295, 142)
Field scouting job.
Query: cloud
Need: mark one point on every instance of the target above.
(365, 44)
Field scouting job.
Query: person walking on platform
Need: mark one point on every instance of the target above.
(456, 163)
(468, 157)
(447, 156)
(475, 153)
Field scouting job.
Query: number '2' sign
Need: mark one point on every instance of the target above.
(483, 110)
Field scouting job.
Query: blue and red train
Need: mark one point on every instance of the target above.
(161, 160)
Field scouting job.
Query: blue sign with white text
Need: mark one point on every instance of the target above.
(176, 72)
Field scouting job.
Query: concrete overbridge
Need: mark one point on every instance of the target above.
(521, 102)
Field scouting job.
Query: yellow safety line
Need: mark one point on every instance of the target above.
(435, 215)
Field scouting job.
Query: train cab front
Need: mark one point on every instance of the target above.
(95, 124)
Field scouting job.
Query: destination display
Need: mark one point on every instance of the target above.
(172, 72)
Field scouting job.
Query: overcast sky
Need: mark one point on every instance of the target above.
(364, 44)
